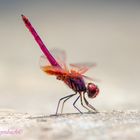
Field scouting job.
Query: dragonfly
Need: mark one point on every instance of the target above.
(53, 63)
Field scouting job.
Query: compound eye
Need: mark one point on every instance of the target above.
(92, 90)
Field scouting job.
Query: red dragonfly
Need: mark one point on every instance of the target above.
(73, 78)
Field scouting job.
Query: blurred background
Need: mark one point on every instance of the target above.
(102, 31)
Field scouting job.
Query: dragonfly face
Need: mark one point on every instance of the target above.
(92, 90)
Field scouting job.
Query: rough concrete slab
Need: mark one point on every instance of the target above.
(116, 125)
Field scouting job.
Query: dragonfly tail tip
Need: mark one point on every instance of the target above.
(24, 18)
(22, 15)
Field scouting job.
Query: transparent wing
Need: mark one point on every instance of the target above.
(88, 78)
(58, 54)
(85, 64)
(53, 70)
(91, 79)
(43, 61)
(49, 69)
(82, 67)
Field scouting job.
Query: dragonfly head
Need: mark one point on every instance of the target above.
(92, 90)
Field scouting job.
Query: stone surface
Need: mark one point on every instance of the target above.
(116, 125)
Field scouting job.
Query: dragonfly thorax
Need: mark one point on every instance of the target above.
(75, 83)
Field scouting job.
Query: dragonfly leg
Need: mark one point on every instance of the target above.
(89, 105)
(66, 100)
(75, 105)
(60, 101)
(82, 103)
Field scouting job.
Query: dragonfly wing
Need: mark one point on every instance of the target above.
(88, 78)
(53, 70)
(60, 56)
(43, 61)
(49, 69)
(82, 67)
